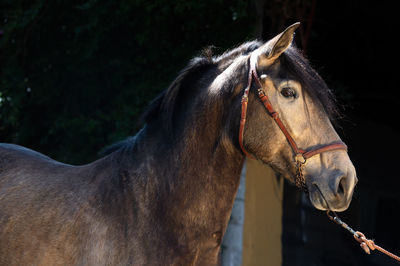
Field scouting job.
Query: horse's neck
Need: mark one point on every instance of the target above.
(201, 173)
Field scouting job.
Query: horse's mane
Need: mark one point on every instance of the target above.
(292, 59)
(162, 108)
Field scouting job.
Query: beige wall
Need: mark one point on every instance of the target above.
(263, 216)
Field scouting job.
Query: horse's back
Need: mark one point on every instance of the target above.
(12, 153)
(22, 168)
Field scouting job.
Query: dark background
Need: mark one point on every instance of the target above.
(76, 75)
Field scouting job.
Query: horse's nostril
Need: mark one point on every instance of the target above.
(341, 189)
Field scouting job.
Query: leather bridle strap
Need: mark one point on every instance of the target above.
(300, 155)
(245, 100)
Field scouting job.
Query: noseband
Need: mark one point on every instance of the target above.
(300, 155)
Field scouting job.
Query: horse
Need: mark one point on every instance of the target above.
(164, 196)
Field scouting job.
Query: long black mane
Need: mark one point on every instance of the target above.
(161, 110)
(164, 105)
(292, 60)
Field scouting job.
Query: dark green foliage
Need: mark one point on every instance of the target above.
(76, 75)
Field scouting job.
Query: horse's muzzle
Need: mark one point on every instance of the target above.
(333, 190)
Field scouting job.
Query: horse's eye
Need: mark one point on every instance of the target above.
(288, 92)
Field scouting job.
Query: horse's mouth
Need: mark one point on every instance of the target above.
(327, 200)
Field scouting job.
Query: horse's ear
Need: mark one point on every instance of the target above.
(271, 50)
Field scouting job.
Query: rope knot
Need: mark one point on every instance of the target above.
(365, 244)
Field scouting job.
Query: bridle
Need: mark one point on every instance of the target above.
(300, 155)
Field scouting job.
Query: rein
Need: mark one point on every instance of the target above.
(300, 155)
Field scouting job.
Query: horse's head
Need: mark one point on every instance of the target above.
(304, 105)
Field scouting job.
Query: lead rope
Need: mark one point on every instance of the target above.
(366, 244)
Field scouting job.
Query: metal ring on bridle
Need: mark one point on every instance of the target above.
(299, 158)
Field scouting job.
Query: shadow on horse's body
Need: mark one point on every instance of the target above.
(165, 196)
